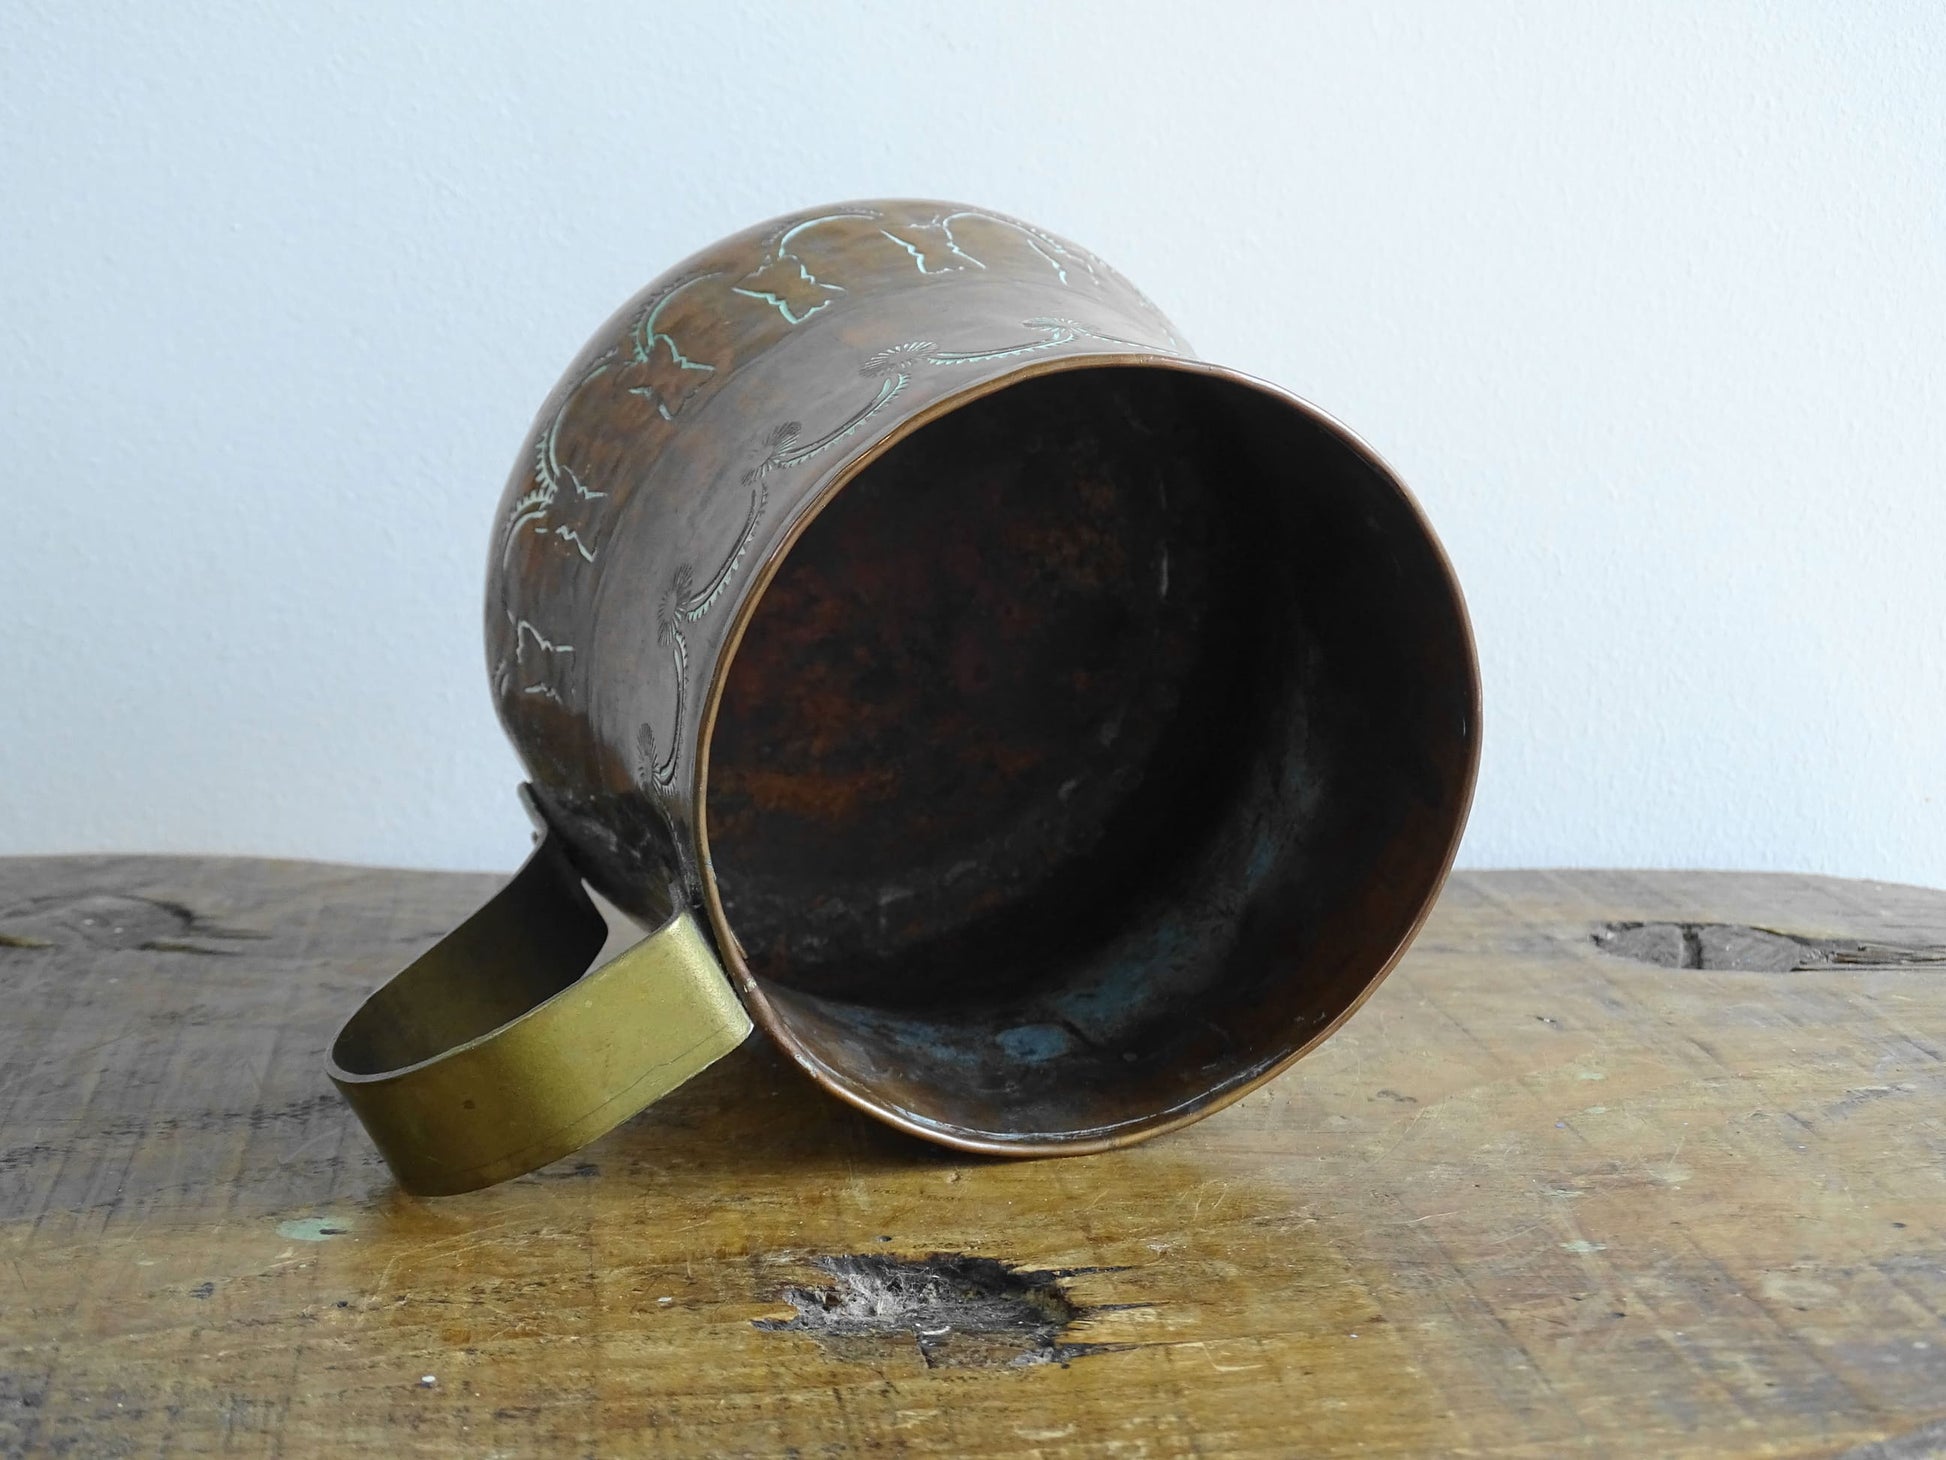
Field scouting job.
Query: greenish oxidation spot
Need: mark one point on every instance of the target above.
(313, 1229)
(1141, 960)
(1583, 1246)
(1263, 859)
(1035, 1042)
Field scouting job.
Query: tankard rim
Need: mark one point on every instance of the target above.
(1233, 1088)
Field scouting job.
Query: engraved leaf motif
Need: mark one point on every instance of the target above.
(932, 247)
(667, 378)
(899, 359)
(788, 284)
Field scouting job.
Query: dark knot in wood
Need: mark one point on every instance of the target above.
(960, 1311)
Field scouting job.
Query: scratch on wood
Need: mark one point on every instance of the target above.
(960, 1311)
(1925, 1443)
(1735, 947)
(113, 920)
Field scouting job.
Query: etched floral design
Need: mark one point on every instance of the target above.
(559, 504)
(662, 375)
(933, 247)
(684, 604)
(788, 283)
(534, 664)
(648, 363)
(775, 448)
(899, 359)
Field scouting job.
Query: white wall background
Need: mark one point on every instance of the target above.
(1648, 302)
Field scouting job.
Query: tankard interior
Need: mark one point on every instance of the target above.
(1089, 755)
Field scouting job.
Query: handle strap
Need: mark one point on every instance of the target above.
(495, 1052)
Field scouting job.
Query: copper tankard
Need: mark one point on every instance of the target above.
(1045, 735)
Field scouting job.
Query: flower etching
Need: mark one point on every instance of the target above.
(559, 504)
(788, 284)
(932, 246)
(899, 359)
(662, 375)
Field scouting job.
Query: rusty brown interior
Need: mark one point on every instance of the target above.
(1089, 755)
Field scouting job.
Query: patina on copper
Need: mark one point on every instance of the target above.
(1062, 734)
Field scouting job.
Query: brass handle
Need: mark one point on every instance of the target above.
(498, 1050)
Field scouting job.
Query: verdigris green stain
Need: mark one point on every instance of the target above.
(313, 1229)
(1035, 1042)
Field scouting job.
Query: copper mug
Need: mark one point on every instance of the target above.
(1045, 735)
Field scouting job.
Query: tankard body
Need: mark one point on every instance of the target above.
(1048, 734)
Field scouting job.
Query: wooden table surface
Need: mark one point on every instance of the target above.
(1540, 1197)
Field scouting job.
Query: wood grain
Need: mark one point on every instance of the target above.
(1535, 1199)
